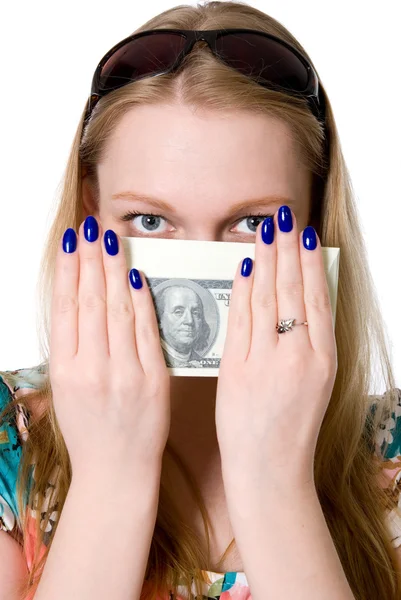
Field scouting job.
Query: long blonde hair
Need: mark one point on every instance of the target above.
(345, 474)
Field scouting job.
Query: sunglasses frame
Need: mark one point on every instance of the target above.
(312, 92)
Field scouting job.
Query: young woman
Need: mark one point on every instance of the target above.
(278, 479)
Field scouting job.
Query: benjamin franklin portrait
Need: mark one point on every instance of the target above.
(184, 331)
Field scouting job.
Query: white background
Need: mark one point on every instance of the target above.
(49, 52)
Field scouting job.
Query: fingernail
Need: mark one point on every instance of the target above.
(111, 242)
(135, 279)
(91, 229)
(246, 268)
(285, 218)
(69, 240)
(268, 230)
(309, 238)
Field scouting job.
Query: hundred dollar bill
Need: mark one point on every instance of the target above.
(191, 285)
(192, 316)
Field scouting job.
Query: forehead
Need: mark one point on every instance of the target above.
(176, 295)
(195, 159)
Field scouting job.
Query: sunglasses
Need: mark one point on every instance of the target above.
(265, 58)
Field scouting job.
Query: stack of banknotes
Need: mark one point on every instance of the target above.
(191, 283)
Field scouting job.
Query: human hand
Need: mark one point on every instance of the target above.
(108, 374)
(274, 389)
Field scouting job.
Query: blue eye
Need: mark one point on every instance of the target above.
(145, 223)
(152, 223)
(251, 223)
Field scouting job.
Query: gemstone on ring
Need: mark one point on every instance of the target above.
(285, 325)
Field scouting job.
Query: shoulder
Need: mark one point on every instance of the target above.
(20, 382)
(13, 433)
(387, 437)
(387, 451)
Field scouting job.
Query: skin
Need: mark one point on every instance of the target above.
(201, 165)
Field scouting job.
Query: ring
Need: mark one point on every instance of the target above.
(286, 325)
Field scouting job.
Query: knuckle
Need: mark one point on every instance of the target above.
(319, 299)
(91, 301)
(292, 288)
(295, 362)
(79, 378)
(125, 380)
(66, 268)
(239, 321)
(109, 267)
(115, 267)
(120, 310)
(64, 303)
(58, 373)
(95, 380)
(264, 299)
(289, 243)
(146, 332)
(88, 257)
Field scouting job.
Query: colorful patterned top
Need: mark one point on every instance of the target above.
(223, 586)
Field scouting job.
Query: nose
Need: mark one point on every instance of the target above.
(204, 237)
(188, 317)
(202, 233)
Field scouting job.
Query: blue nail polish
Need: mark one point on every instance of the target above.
(246, 268)
(111, 242)
(285, 218)
(135, 279)
(268, 230)
(91, 229)
(309, 238)
(69, 240)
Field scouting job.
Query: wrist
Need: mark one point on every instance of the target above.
(118, 477)
(254, 495)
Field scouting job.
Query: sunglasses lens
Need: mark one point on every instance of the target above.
(149, 54)
(263, 59)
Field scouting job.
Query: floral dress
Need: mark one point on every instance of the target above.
(222, 586)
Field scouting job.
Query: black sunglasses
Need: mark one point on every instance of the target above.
(270, 61)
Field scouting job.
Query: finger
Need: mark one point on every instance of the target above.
(64, 304)
(289, 282)
(92, 320)
(239, 326)
(119, 308)
(264, 295)
(146, 326)
(317, 297)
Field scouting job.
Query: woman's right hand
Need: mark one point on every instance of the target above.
(107, 371)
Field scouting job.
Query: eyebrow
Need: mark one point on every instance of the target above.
(164, 206)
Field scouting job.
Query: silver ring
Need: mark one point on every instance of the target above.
(287, 324)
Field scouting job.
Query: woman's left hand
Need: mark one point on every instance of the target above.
(274, 388)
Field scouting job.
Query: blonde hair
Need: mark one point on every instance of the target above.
(345, 473)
